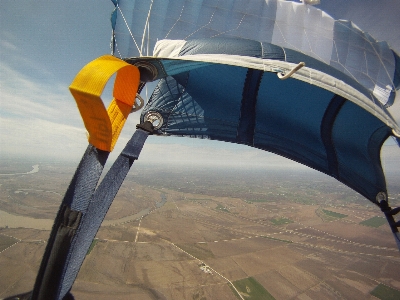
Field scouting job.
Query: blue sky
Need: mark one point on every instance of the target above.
(43, 44)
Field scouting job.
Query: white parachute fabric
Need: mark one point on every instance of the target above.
(138, 25)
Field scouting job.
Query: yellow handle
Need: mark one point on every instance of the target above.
(104, 126)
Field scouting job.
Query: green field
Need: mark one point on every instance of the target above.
(251, 289)
(334, 214)
(275, 239)
(374, 222)
(94, 242)
(6, 241)
(199, 251)
(384, 292)
(304, 201)
(281, 221)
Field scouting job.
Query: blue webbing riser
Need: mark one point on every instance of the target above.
(74, 204)
(81, 214)
(99, 205)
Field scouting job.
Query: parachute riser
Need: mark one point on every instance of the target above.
(141, 103)
(389, 214)
(85, 203)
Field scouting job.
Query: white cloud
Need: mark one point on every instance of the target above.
(25, 98)
(14, 54)
(41, 139)
(38, 119)
(7, 45)
(205, 153)
(390, 156)
(41, 120)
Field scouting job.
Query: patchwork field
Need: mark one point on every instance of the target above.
(201, 244)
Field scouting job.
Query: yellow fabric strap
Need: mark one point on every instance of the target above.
(104, 126)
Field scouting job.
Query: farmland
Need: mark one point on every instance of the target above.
(209, 238)
(374, 222)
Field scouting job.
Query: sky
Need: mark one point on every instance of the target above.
(43, 44)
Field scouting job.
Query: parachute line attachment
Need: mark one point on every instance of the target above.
(148, 72)
(389, 213)
(283, 76)
(104, 126)
(146, 126)
(138, 106)
(154, 118)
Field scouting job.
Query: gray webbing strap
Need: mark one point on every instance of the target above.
(99, 205)
(74, 204)
(81, 214)
(394, 225)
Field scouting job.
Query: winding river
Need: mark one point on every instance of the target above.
(17, 221)
(35, 169)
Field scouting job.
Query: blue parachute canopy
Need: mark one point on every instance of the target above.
(276, 75)
(312, 125)
(218, 64)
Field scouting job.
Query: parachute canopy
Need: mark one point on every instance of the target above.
(276, 75)
(138, 25)
(218, 62)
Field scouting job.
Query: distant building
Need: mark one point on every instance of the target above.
(205, 268)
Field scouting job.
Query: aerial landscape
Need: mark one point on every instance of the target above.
(191, 233)
(314, 81)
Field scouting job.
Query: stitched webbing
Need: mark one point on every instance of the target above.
(79, 204)
(104, 126)
(98, 207)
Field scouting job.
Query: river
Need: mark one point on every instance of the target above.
(16, 221)
(137, 216)
(35, 169)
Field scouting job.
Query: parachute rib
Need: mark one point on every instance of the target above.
(146, 27)
(130, 32)
(247, 120)
(327, 123)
